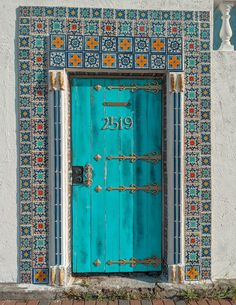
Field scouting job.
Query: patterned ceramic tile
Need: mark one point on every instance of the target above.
(91, 43)
(125, 44)
(158, 45)
(174, 62)
(108, 13)
(174, 29)
(174, 45)
(57, 59)
(141, 61)
(108, 27)
(158, 28)
(57, 25)
(109, 61)
(40, 276)
(91, 27)
(158, 62)
(75, 60)
(73, 12)
(125, 61)
(141, 45)
(74, 26)
(91, 60)
(192, 273)
(141, 28)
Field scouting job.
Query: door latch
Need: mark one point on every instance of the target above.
(77, 174)
(82, 175)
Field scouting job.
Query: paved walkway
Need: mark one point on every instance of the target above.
(118, 302)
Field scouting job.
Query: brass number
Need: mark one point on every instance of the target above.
(106, 119)
(128, 122)
(112, 123)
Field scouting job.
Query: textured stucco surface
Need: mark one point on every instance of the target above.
(223, 136)
(223, 164)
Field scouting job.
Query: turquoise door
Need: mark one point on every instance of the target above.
(117, 175)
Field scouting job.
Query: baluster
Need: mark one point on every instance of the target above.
(226, 31)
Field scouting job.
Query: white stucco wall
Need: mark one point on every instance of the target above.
(223, 135)
(224, 164)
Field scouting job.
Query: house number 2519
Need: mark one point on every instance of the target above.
(112, 123)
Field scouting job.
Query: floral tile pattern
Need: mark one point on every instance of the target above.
(111, 39)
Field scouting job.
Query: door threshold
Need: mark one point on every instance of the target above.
(118, 281)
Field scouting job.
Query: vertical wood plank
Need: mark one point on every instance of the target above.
(98, 217)
(126, 179)
(112, 178)
(154, 204)
(140, 177)
(80, 194)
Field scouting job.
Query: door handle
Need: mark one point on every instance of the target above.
(82, 175)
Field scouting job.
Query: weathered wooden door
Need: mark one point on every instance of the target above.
(117, 175)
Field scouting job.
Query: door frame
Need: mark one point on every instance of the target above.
(62, 273)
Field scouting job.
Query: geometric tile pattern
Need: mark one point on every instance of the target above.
(112, 39)
(94, 51)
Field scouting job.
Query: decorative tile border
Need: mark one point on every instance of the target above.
(115, 52)
(114, 39)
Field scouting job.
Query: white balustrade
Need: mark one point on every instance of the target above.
(226, 31)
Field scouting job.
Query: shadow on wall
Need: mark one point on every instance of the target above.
(217, 27)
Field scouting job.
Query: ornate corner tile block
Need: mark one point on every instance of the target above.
(192, 273)
(40, 275)
(95, 38)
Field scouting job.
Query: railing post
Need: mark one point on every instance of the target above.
(226, 31)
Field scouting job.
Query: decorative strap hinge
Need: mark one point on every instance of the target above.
(154, 87)
(154, 261)
(150, 157)
(150, 188)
